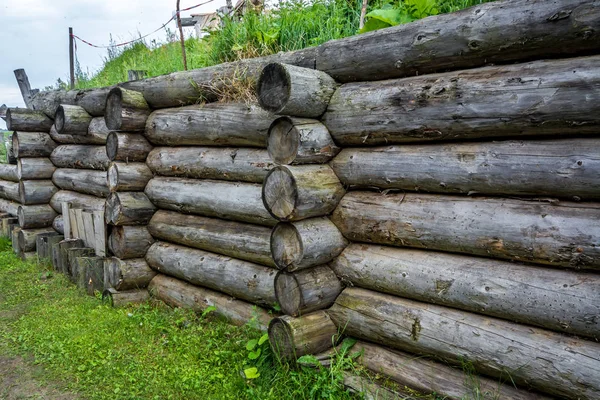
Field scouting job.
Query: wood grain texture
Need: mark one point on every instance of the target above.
(97, 134)
(80, 156)
(35, 216)
(8, 172)
(126, 110)
(24, 119)
(129, 241)
(77, 200)
(72, 120)
(34, 168)
(32, 144)
(128, 208)
(85, 181)
(129, 274)
(129, 147)
(36, 191)
(128, 177)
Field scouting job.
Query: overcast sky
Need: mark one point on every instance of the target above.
(35, 35)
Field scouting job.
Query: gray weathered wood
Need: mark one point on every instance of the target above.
(97, 134)
(35, 168)
(88, 225)
(24, 86)
(93, 101)
(82, 180)
(549, 362)
(14, 235)
(558, 234)
(129, 274)
(8, 172)
(128, 177)
(10, 191)
(121, 146)
(64, 211)
(72, 120)
(489, 33)
(99, 233)
(227, 200)
(129, 241)
(32, 144)
(80, 156)
(128, 208)
(44, 243)
(36, 216)
(235, 239)
(290, 90)
(77, 200)
(292, 193)
(300, 141)
(8, 224)
(89, 273)
(73, 256)
(178, 293)
(126, 110)
(554, 97)
(241, 279)
(26, 237)
(563, 301)
(59, 224)
(49, 101)
(125, 298)
(307, 243)
(215, 124)
(10, 207)
(24, 119)
(228, 163)
(566, 168)
(36, 191)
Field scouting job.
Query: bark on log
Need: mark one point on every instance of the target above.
(32, 144)
(128, 208)
(128, 177)
(300, 141)
(128, 147)
(229, 164)
(498, 288)
(72, 120)
(126, 110)
(73, 256)
(127, 274)
(215, 124)
(129, 241)
(564, 168)
(44, 243)
(93, 101)
(80, 156)
(489, 33)
(36, 192)
(8, 172)
(97, 134)
(27, 237)
(555, 97)
(292, 193)
(58, 224)
(77, 200)
(558, 234)
(49, 101)
(289, 90)
(38, 216)
(82, 180)
(305, 244)
(178, 293)
(227, 200)
(125, 298)
(548, 361)
(90, 272)
(241, 279)
(10, 191)
(189, 87)
(291, 338)
(10, 207)
(302, 292)
(35, 168)
(24, 119)
(235, 239)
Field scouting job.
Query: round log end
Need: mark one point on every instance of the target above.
(21, 216)
(112, 177)
(114, 108)
(22, 196)
(281, 339)
(107, 296)
(283, 141)
(15, 144)
(8, 119)
(288, 293)
(280, 193)
(112, 146)
(112, 209)
(274, 87)
(286, 245)
(59, 119)
(19, 169)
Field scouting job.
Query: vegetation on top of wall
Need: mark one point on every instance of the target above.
(293, 25)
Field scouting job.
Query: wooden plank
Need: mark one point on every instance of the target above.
(73, 222)
(24, 86)
(88, 225)
(79, 223)
(66, 206)
(99, 233)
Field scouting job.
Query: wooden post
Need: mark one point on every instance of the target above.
(23, 82)
(99, 234)
(71, 59)
(66, 206)
(181, 37)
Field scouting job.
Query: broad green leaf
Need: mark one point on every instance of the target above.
(308, 360)
(263, 339)
(251, 373)
(251, 344)
(254, 354)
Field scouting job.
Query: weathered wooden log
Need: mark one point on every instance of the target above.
(77, 200)
(229, 164)
(178, 293)
(97, 134)
(8, 225)
(548, 361)
(93, 101)
(558, 234)
(82, 180)
(129, 241)
(44, 243)
(128, 177)
(8, 172)
(129, 274)
(32, 144)
(536, 98)
(291, 338)
(49, 101)
(495, 35)
(14, 235)
(130, 147)
(37, 216)
(235, 239)
(289, 90)
(300, 141)
(24, 119)
(34, 168)
(292, 193)
(73, 255)
(498, 288)
(128, 208)
(371, 389)
(27, 237)
(299, 293)
(126, 110)
(10, 207)
(72, 120)
(80, 156)
(305, 244)
(565, 168)
(241, 279)
(10, 154)
(58, 224)
(215, 124)
(59, 257)
(204, 84)
(36, 191)
(9, 191)
(228, 200)
(125, 298)
(89, 273)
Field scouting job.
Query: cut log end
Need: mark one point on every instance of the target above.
(112, 146)
(113, 208)
(280, 193)
(288, 293)
(114, 108)
(113, 177)
(59, 120)
(283, 141)
(274, 87)
(286, 245)
(281, 339)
